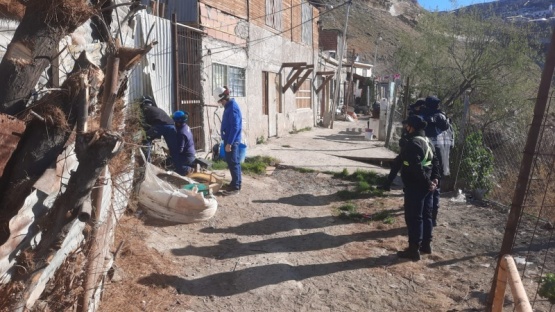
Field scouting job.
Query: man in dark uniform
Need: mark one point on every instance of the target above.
(420, 173)
(437, 124)
(157, 124)
(397, 163)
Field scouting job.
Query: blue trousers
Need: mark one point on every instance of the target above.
(234, 165)
(183, 163)
(418, 215)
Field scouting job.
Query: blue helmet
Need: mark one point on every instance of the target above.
(180, 116)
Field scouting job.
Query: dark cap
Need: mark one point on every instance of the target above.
(432, 102)
(418, 103)
(416, 122)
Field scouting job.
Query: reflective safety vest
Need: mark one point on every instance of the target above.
(428, 155)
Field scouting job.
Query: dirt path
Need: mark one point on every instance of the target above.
(280, 247)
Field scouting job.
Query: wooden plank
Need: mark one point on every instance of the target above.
(324, 83)
(303, 78)
(296, 75)
(325, 73)
(294, 64)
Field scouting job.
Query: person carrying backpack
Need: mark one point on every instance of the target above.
(437, 125)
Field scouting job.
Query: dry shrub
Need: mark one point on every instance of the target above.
(64, 291)
(67, 14)
(12, 9)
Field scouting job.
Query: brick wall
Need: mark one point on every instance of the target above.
(220, 25)
(234, 7)
(329, 39)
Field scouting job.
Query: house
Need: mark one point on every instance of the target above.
(265, 51)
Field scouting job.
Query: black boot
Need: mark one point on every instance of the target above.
(426, 248)
(412, 252)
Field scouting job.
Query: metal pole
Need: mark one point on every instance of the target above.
(340, 63)
(175, 51)
(376, 53)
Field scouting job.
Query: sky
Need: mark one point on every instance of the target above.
(447, 5)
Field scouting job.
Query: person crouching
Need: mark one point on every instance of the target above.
(185, 154)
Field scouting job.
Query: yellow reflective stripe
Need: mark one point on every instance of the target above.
(427, 161)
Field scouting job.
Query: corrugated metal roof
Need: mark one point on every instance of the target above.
(154, 75)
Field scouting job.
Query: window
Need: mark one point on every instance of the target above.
(303, 97)
(306, 28)
(232, 77)
(273, 13)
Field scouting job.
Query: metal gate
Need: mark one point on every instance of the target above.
(188, 90)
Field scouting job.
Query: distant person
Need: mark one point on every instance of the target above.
(420, 174)
(185, 145)
(438, 124)
(376, 110)
(232, 125)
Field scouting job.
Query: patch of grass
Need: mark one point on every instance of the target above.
(257, 164)
(304, 170)
(260, 140)
(348, 208)
(365, 183)
(219, 165)
(294, 131)
(384, 216)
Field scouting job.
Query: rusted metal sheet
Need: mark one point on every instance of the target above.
(35, 206)
(11, 130)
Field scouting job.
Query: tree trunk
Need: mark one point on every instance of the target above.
(34, 44)
(42, 142)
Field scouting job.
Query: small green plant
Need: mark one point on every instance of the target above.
(260, 140)
(547, 288)
(348, 208)
(295, 130)
(477, 163)
(219, 165)
(257, 164)
(349, 211)
(384, 216)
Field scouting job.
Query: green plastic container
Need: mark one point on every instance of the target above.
(202, 188)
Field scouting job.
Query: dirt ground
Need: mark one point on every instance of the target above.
(279, 246)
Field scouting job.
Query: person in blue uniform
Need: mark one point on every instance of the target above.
(420, 174)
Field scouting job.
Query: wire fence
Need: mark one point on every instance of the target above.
(485, 165)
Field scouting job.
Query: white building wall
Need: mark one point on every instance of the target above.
(266, 52)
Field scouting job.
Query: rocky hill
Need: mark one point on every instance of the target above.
(371, 19)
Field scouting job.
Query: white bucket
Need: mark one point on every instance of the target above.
(369, 134)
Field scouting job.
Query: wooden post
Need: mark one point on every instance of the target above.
(508, 272)
(83, 105)
(501, 283)
(110, 92)
(522, 304)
